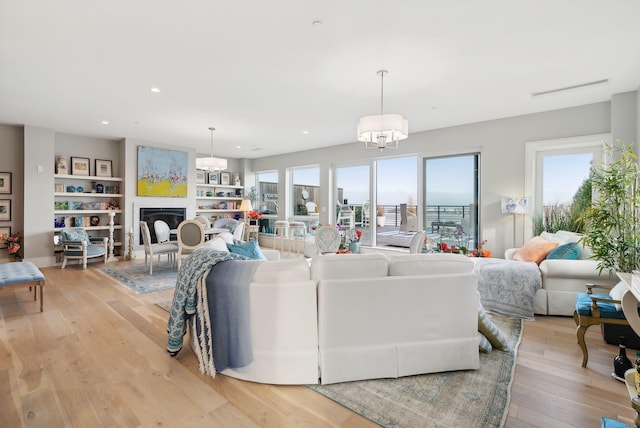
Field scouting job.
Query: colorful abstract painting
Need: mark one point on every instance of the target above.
(162, 172)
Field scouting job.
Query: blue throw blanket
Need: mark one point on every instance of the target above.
(190, 285)
(223, 323)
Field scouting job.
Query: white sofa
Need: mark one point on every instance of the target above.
(361, 316)
(562, 280)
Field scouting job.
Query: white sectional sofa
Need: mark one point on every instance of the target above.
(563, 279)
(361, 316)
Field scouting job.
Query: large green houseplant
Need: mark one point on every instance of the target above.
(612, 223)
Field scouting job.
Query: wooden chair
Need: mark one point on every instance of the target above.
(190, 238)
(79, 246)
(595, 309)
(155, 249)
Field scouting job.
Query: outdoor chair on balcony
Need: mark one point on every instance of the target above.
(408, 221)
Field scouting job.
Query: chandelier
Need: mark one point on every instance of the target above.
(211, 163)
(382, 131)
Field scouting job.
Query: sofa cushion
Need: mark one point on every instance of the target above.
(426, 264)
(568, 251)
(534, 250)
(249, 249)
(281, 271)
(349, 266)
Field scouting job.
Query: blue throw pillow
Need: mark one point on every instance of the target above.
(569, 251)
(249, 249)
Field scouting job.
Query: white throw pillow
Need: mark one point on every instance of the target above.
(217, 244)
(227, 237)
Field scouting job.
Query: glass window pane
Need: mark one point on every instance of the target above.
(397, 185)
(352, 186)
(267, 183)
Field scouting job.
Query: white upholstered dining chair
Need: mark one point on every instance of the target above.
(158, 249)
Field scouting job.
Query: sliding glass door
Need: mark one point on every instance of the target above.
(451, 191)
(353, 196)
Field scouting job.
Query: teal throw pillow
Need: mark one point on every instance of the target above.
(570, 251)
(249, 249)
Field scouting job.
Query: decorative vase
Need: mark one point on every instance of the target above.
(354, 247)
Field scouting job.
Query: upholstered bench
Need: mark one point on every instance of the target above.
(22, 274)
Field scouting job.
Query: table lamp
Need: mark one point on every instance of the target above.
(245, 207)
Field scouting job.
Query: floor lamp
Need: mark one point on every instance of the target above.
(514, 206)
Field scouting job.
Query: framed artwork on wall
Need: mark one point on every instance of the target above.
(162, 172)
(213, 178)
(225, 178)
(103, 168)
(5, 209)
(201, 176)
(5, 183)
(6, 232)
(79, 166)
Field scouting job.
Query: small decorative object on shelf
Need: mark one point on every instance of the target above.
(61, 165)
(621, 362)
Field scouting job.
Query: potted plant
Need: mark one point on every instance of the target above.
(380, 216)
(612, 223)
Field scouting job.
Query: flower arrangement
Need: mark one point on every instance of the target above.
(13, 243)
(480, 251)
(254, 215)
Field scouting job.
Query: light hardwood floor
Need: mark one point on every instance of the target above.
(96, 358)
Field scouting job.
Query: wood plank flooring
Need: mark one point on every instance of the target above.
(96, 358)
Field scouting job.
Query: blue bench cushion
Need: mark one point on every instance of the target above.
(19, 272)
(92, 251)
(607, 310)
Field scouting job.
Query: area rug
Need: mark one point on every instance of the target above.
(134, 276)
(471, 398)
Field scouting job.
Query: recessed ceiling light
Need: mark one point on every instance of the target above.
(305, 132)
(155, 90)
(105, 122)
(238, 147)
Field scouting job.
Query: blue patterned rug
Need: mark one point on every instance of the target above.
(133, 276)
(466, 398)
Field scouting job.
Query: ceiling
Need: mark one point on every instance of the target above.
(263, 73)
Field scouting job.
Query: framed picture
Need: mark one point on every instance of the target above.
(103, 168)
(79, 166)
(213, 178)
(201, 176)
(225, 178)
(5, 182)
(5, 209)
(6, 232)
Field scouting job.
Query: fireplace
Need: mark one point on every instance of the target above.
(172, 216)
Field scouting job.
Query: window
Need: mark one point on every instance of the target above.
(555, 169)
(451, 199)
(353, 198)
(305, 195)
(396, 184)
(267, 183)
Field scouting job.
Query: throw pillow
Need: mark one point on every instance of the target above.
(483, 343)
(569, 251)
(231, 227)
(491, 331)
(534, 250)
(249, 249)
(217, 244)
